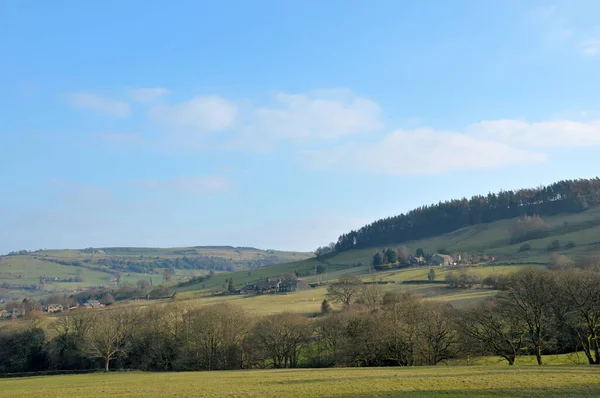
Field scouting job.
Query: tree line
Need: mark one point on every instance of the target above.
(538, 312)
(567, 196)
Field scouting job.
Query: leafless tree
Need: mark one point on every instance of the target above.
(370, 295)
(438, 337)
(492, 326)
(529, 299)
(106, 337)
(580, 295)
(282, 337)
(344, 290)
(404, 253)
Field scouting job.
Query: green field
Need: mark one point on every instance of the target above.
(27, 269)
(491, 239)
(463, 381)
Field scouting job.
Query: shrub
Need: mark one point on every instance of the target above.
(570, 245)
(554, 246)
(524, 248)
(527, 228)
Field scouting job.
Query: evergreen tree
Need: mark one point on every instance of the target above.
(431, 275)
(230, 286)
(325, 307)
(391, 256)
(377, 259)
(569, 196)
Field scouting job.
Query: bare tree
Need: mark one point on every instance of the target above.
(529, 299)
(402, 321)
(438, 336)
(404, 253)
(105, 339)
(167, 274)
(370, 295)
(560, 262)
(282, 337)
(218, 336)
(580, 294)
(344, 290)
(492, 326)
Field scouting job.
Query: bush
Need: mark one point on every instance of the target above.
(524, 248)
(527, 228)
(554, 246)
(570, 245)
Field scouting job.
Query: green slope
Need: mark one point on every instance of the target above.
(491, 239)
(98, 267)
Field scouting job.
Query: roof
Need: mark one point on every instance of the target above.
(444, 256)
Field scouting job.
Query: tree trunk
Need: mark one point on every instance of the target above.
(106, 363)
(538, 354)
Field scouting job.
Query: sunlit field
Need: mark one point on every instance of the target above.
(474, 381)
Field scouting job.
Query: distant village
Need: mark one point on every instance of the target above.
(19, 310)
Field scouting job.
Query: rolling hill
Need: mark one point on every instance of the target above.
(581, 230)
(22, 273)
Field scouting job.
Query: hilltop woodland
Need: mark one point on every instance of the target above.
(537, 312)
(569, 196)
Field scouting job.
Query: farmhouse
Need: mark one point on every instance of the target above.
(92, 304)
(442, 259)
(52, 308)
(292, 285)
(274, 285)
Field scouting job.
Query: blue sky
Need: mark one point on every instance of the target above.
(281, 124)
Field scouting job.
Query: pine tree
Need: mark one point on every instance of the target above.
(431, 275)
(325, 307)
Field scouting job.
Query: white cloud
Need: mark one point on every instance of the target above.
(101, 105)
(423, 151)
(564, 133)
(590, 47)
(209, 113)
(202, 184)
(146, 95)
(324, 114)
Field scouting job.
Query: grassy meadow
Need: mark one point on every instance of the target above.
(309, 301)
(447, 381)
(27, 269)
(491, 239)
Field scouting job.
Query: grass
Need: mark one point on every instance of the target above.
(27, 269)
(490, 239)
(460, 381)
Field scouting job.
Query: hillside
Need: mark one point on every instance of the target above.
(570, 196)
(30, 274)
(490, 239)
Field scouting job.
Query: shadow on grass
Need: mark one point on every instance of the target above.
(588, 391)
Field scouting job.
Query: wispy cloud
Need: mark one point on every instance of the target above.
(324, 114)
(207, 113)
(102, 105)
(557, 28)
(201, 184)
(590, 47)
(419, 152)
(561, 134)
(146, 95)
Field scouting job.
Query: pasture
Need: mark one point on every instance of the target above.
(453, 381)
(491, 239)
(309, 301)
